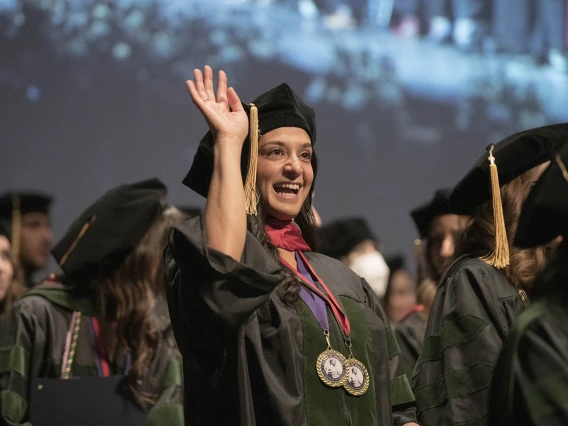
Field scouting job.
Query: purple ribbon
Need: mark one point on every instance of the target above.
(313, 300)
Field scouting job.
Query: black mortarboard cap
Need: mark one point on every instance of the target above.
(514, 156)
(395, 262)
(424, 214)
(110, 229)
(29, 202)
(545, 212)
(5, 229)
(340, 237)
(278, 107)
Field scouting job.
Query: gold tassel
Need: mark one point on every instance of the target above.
(562, 167)
(250, 181)
(77, 239)
(420, 266)
(499, 257)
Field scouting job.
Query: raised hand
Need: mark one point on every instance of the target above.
(223, 112)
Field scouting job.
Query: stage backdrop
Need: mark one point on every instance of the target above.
(92, 95)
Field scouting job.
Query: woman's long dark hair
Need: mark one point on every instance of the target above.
(289, 286)
(125, 300)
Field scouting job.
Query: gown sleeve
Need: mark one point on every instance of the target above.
(210, 296)
(168, 409)
(410, 337)
(22, 344)
(531, 377)
(402, 399)
(469, 320)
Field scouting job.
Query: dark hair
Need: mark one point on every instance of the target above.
(552, 281)
(125, 300)
(479, 236)
(289, 286)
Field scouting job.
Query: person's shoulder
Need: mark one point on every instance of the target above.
(414, 319)
(474, 272)
(34, 303)
(540, 319)
(470, 265)
(334, 266)
(329, 262)
(337, 276)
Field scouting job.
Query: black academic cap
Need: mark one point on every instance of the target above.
(278, 107)
(514, 156)
(424, 214)
(29, 202)
(395, 262)
(5, 229)
(545, 212)
(110, 229)
(340, 237)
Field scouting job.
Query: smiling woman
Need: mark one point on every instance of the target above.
(285, 173)
(269, 330)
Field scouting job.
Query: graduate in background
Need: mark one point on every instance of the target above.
(400, 296)
(351, 241)
(440, 229)
(9, 288)
(401, 307)
(98, 319)
(270, 331)
(530, 385)
(485, 288)
(32, 237)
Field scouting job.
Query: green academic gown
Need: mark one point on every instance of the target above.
(410, 337)
(32, 344)
(469, 320)
(530, 386)
(254, 355)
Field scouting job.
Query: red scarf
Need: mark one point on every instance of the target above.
(285, 234)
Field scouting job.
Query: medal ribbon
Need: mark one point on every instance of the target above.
(103, 366)
(327, 296)
(313, 300)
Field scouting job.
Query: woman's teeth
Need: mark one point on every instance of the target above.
(287, 188)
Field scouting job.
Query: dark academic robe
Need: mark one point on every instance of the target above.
(32, 343)
(469, 320)
(410, 337)
(250, 358)
(530, 386)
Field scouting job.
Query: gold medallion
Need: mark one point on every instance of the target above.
(357, 376)
(331, 368)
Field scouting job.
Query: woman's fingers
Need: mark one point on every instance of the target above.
(222, 88)
(193, 91)
(234, 101)
(208, 83)
(198, 78)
